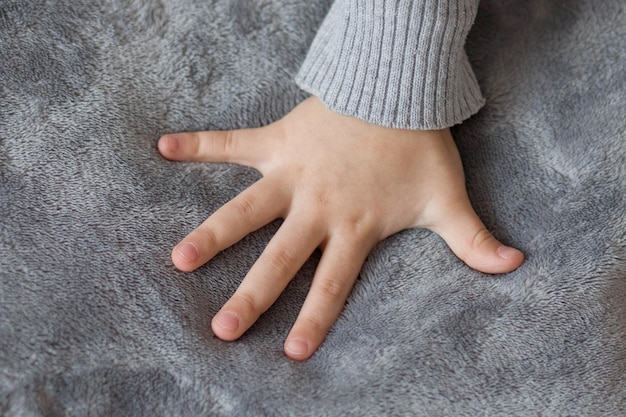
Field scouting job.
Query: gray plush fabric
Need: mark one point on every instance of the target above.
(94, 320)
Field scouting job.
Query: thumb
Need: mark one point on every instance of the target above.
(469, 239)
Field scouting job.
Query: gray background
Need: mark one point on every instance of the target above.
(94, 319)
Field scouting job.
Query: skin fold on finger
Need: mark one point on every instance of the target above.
(288, 250)
(258, 205)
(248, 147)
(469, 239)
(333, 281)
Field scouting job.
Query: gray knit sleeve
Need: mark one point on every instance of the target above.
(396, 63)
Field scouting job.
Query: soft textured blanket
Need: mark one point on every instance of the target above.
(94, 319)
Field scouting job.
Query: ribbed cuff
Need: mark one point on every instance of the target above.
(396, 63)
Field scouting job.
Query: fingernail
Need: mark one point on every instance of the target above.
(170, 144)
(227, 320)
(188, 251)
(296, 347)
(506, 252)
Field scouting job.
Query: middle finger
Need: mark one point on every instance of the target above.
(280, 261)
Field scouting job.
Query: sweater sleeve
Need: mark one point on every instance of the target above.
(396, 63)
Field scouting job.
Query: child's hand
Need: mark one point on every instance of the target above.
(342, 185)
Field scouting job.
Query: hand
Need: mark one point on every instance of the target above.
(342, 185)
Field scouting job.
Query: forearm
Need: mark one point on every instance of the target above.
(396, 63)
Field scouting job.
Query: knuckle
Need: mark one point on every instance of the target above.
(281, 262)
(246, 208)
(480, 237)
(321, 199)
(359, 228)
(246, 304)
(195, 145)
(313, 324)
(330, 288)
(209, 237)
(229, 144)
